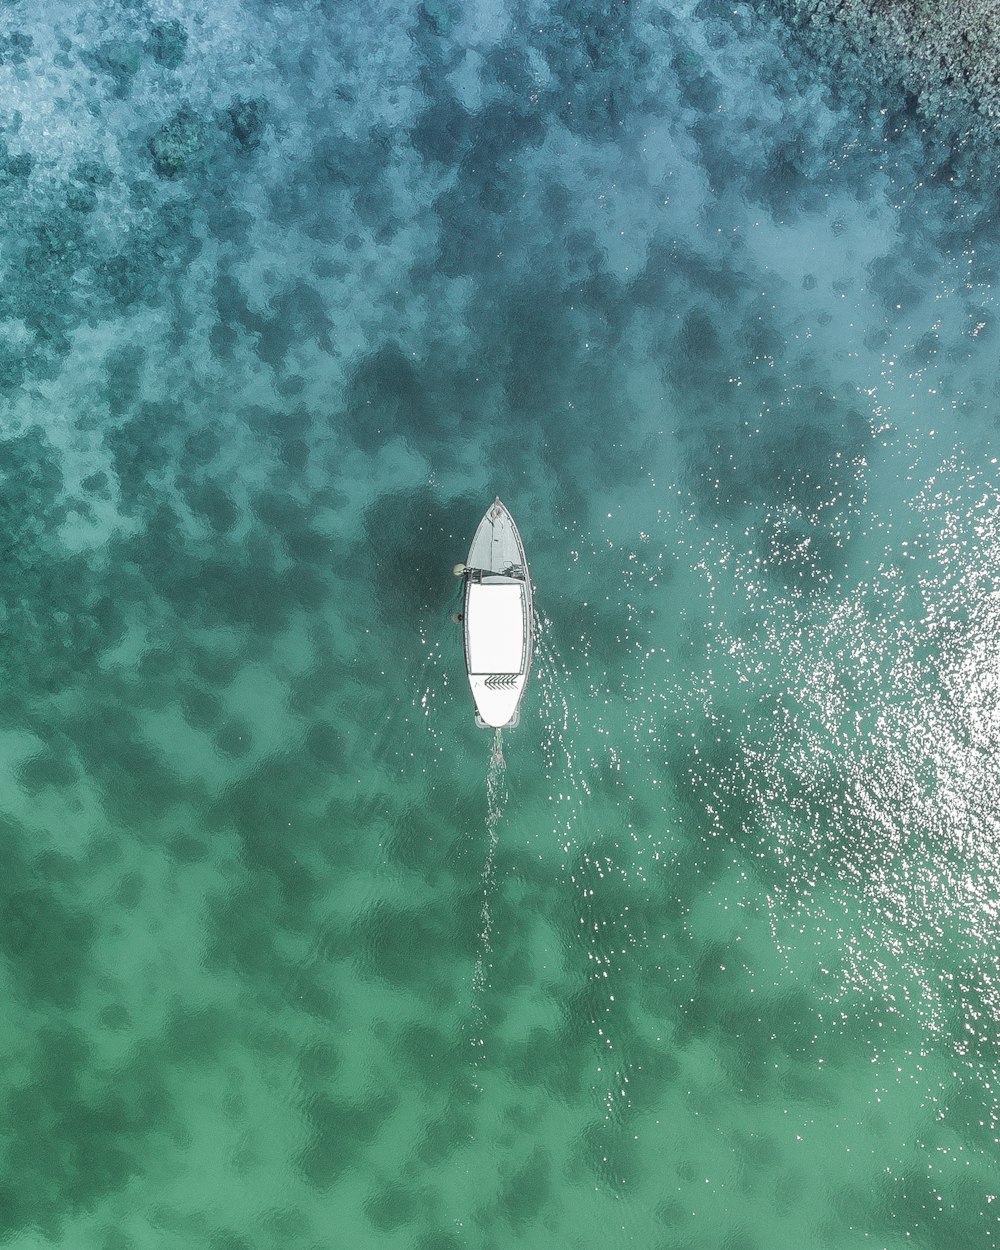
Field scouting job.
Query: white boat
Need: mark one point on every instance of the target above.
(497, 620)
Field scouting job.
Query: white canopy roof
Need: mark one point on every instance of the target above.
(494, 621)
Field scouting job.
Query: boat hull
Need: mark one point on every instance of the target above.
(498, 618)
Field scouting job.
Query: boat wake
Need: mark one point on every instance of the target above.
(496, 801)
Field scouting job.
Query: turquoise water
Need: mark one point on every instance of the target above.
(704, 954)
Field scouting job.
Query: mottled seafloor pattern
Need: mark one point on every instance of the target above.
(706, 956)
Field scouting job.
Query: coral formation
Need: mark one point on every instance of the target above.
(179, 145)
(245, 119)
(14, 167)
(167, 43)
(119, 59)
(945, 54)
(15, 47)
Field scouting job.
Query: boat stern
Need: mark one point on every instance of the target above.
(497, 697)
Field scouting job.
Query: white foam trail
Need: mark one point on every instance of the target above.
(496, 801)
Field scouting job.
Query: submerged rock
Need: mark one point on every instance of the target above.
(11, 368)
(437, 15)
(95, 173)
(167, 43)
(13, 168)
(120, 60)
(123, 278)
(180, 145)
(84, 180)
(81, 199)
(245, 120)
(15, 47)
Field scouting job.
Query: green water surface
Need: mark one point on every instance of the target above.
(703, 955)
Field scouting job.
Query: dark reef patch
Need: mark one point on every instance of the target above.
(12, 368)
(388, 395)
(935, 64)
(106, 1122)
(391, 1207)
(138, 785)
(340, 1132)
(45, 941)
(167, 43)
(15, 47)
(50, 768)
(245, 120)
(210, 503)
(257, 806)
(119, 60)
(39, 581)
(525, 1193)
(413, 539)
(298, 315)
(126, 278)
(180, 146)
(123, 367)
(142, 445)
